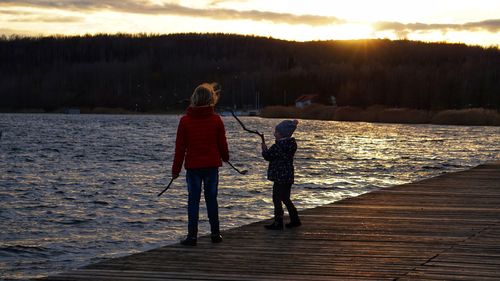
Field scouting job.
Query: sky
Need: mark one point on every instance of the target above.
(474, 22)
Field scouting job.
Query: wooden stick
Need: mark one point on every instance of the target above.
(168, 186)
(244, 172)
(245, 128)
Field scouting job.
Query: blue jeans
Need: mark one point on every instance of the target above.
(210, 179)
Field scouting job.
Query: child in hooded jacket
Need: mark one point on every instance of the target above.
(281, 173)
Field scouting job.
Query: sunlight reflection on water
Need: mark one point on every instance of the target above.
(76, 189)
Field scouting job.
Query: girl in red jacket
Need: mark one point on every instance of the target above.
(201, 144)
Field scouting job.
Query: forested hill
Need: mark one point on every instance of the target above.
(155, 72)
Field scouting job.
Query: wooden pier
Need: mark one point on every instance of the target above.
(443, 228)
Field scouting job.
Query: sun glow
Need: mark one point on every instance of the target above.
(352, 31)
(283, 19)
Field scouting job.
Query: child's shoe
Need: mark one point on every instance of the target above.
(189, 241)
(276, 225)
(216, 238)
(293, 223)
(294, 219)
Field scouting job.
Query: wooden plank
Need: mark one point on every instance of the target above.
(447, 227)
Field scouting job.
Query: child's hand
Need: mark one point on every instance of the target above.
(264, 146)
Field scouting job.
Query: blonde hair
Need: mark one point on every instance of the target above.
(205, 94)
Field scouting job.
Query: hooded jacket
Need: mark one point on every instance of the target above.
(201, 140)
(280, 156)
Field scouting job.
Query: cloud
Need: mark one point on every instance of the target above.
(14, 13)
(489, 25)
(47, 19)
(27, 16)
(30, 16)
(146, 7)
(217, 2)
(7, 32)
(403, 29)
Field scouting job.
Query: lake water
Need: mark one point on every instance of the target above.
(75, 189)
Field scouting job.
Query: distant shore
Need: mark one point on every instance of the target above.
(375, 114)
(380, 114)
(96, 110)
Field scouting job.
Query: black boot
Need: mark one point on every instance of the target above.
(276, 225)
(294, 220)
(189, 241)
(216, 238)
(293, 223)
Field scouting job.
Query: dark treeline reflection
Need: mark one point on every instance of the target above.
(154, 72)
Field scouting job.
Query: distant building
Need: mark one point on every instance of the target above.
(333, 100)
(305, 100)
(72, 110)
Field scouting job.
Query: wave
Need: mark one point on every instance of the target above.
(442, 166)
(23, 250)
(169, 220)
(98, 202)
(71, 221)
(50, 150)
(317, 187)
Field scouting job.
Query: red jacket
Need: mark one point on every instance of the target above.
(201, 140)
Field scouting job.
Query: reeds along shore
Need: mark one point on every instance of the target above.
(472, 116)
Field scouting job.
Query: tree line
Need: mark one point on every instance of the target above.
(156, 72)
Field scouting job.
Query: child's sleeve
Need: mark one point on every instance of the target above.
(222, 141)
(272, 153)
(180, 149)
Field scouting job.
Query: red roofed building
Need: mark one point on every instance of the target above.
(305, 100)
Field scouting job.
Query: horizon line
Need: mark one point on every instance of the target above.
(15, 36)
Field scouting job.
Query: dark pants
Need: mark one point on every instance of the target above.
(281, 193)
(209, 177)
